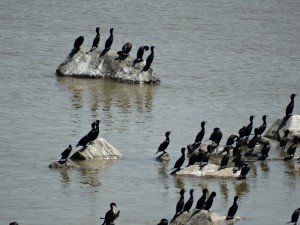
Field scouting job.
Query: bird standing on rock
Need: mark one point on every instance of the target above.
(225, 159)
(65, 154)
(91, 136)
(180, 204)
(78, 42)
(209, 201)
(290, 107)
(139, 55)
(180, 161)
(189, 203)
(202, 199)
(108, 42)
(95, 41)
(200, 135)
(292, 149)
(283, 141)
(295, 216)
(111, 215)
(233, 209)
(216, 136)
(249, 127)
(262, 127)
(163, 146)
(149, 60)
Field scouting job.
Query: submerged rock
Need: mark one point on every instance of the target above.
(80, 64)
(68, 164)
(164, 157)
(210, 170)
(99, 149)
(281, 125)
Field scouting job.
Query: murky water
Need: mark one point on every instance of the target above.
(218, 61)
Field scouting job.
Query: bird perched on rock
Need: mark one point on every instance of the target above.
(108, 42)
(295, 216)
(189, 203)
(202, 199)
(124, 52)
(180, 161)
(180, 204)
(244, 171)
(13, 223)
(149, 60)
(163, 222)
(209, 201)
(216, 136)
(231, 140)
(292, 149)
(111, 215)
(139, 55)
(200, 135)
(264, 152)
(78, 42)
(233, 209)
(163, 146)
(65, 154)
(249, 127)
(290, 107)
(252, 143)
(91, 136)
(225, 159)
(283, 141)
(95, 41)
(262, 127)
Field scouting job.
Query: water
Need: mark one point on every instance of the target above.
(218, 61)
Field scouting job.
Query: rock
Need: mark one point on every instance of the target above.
(280, 125)
(100, 149)
(164, 157)
(210, 170)
(69, 164)
(201, 217)
(80, 64)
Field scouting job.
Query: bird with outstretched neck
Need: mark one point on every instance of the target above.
(180, 161)
(209, 202)
(95, 41)
(289, 108)
(201, 201)
(65, 154)
(108, 42)
(111, 215)
(233, 209)
(163, 146)
(91, 136)
(188, 205)
(262, 127)
(180, 204)
(200, 135)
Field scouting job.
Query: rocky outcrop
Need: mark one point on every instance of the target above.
(68, 164)
(99, 149)
(280, 125)
(108, 66)
(210, 170)
(164, 157)
(202, 217)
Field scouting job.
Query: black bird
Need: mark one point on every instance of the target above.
(290, 107)
(201, 201)
(244, 171)
(295, 216)
(163, 222)
(91, 136)
(263, 127)
(124, 52)
(264, 152)
(225, 159)
(238, 162)
(200, 135)
(196, 156)
(283, 141)
(110, 215)
(78, 42)
(216, 136)
(209, 201)
(149, 60)
(139, 55)
(65, 154)
(13, 223)
(180, 161)
(231, 140)
(292, 149)
(232, 210)
(189, 203)
(95, 41)
(242, 132)
(163, 146)
(249, 127)
(205, 160)
(108, 42)
(180, 204)
(252, 143)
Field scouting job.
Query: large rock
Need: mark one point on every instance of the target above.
(100, 149)
(58, 165)
(210, 170)
(80, 64)
(281, 125)
(201, 217)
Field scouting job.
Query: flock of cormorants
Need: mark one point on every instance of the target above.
(122, 54)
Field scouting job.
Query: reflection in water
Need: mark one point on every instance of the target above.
(65, 177)
(163, 171)
(224, 189)
(179, 182)
(105, 93)
(241, 187)
(264, 166)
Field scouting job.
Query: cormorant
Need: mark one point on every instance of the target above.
(264, 152)
(110, 215)
(163, 222)
(78, 42)
(244, 171)
(189, 203)
(231, 139)
(180, 161)
(242, 132)
(65, 154)
(252, 143)
(96, 40)
(209, 201)
(216, 136)
(200, 135)
(91, 136)
(292, 149)
(163, 146)
(290, 107)
(139, 55)
(225, 159)
(295, 216)
(13, 223)
(232, 210)
(238, 162)
(205, 160)
(124, 52)
(180, 204)
(149, 60)
(201, 201)
(283, 141)
(108, 42)
(262, 127)
(249, 127)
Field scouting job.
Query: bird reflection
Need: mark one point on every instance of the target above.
(108, 94)
(224, 190)
(179, 182)
(264, 166)
(163, 169)
(241, 187)
(65, 177)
